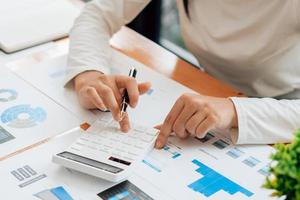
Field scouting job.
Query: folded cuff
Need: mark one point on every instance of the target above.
(239, 135)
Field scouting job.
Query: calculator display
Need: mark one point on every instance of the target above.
(90, 162)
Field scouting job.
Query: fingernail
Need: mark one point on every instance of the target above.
(134, 105)
(104, 109)
(125, 128)
(158, 144)
(119, 117)
(200, 136)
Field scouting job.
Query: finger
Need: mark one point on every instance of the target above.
(185, 135)
(112, 84)
(92, 94)
(125, 124)
(85, 99)
(183, 117)
(109, 100)
(166, 128)
(116, 92)
(144, 87)
(131, 86)
(158, 126)
(206, 125)
(194, 121)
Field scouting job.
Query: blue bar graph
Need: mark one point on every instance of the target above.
(265, 170)
(149, 164)
(174, 154)
(61, 193)
(58, 193)
(213, 182)
(251, 161)
(150, 91)
(235, 153)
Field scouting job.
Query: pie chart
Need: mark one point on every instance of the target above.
(23, 116)
(7, 95)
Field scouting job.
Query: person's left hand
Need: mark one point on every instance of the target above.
(194, 114)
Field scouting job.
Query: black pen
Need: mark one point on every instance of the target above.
(125, 100)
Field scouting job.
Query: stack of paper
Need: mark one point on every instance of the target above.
(208, 168)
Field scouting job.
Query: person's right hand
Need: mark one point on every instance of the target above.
(96, 90)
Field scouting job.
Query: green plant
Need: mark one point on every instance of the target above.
(285, 170)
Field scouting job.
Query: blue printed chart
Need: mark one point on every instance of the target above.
(174, 154)
(58, 73)
(5, 136)
(48, 77)
(27, 116)
(183, 170)
(213, 182)
(235, 153)
(7, 95)
(23, 116)
(161, 160)
(32, 175)
(26, 176)
(57, 193)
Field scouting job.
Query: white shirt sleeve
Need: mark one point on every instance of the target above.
(89, 37)
(266, 120)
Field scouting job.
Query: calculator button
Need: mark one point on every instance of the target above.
(140, 128)
(105, 137)
(147, 138)
(105, 117)
(152, 132)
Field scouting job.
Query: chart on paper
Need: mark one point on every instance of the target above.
(207, 168)
(23, 116)
(32, 175)
(213, 182)
(27, 116)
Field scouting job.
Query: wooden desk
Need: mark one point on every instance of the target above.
(156, 57)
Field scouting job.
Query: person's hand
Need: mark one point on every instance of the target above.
(194, 114)
(96, 90)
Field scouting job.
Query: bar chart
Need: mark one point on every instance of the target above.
(213, 182)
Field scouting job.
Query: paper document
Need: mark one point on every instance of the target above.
(32, 175)
(48, 77)
(208, 168)
(27, 116)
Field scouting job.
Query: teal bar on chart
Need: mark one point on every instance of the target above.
(213, 182)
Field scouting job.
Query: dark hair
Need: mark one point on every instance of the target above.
(186, 7)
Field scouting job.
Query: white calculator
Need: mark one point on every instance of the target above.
(106, 152)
